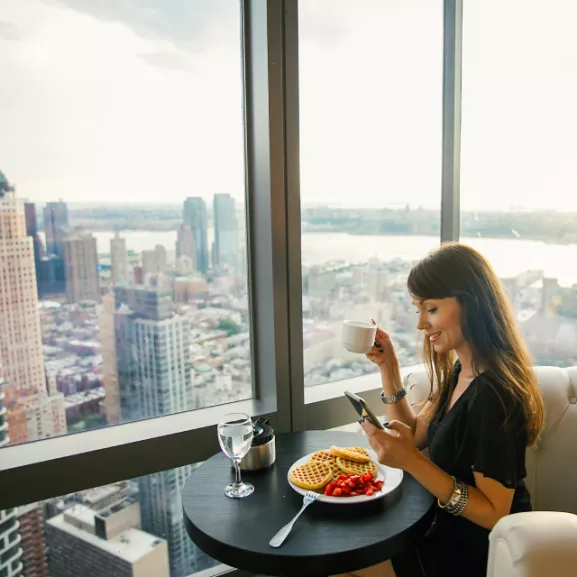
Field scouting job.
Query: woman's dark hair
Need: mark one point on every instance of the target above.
(487, 323)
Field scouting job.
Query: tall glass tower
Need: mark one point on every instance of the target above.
(195, 216)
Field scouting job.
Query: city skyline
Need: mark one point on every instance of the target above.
(194, 146)
(149, 352)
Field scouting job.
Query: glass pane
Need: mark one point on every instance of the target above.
(518, 176)
(371, 135)
(123, 286)
(133, 528)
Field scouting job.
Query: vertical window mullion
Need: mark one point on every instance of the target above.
(452, 66)
(293, 177)
(266, 203)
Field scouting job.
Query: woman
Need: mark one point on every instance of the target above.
(477, 424)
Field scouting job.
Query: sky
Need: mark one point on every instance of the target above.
(126, 101)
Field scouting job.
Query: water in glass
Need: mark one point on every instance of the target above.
(235, 439)
(235, 433)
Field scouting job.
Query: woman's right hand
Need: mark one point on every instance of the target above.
(383, 351)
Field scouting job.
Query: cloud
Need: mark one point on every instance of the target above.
(190, 25)
(9, 31)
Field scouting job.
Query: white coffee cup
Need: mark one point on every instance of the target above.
(358, 336)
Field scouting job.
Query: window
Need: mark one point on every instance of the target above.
(370, 157)
(518, 178)
(129, 149)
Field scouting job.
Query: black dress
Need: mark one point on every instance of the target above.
(484, 431)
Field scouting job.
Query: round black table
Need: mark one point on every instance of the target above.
(327, 539)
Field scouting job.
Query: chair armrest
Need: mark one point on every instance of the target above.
(533, 544)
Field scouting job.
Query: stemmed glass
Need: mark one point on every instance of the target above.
(235, 437)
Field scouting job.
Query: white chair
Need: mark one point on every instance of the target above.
(543, 542)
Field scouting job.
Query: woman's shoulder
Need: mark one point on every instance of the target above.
(493, 398)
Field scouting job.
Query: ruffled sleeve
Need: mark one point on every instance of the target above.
(495, 433)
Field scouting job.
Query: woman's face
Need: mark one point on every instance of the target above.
(441, 321)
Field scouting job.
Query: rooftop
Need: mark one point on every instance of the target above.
(84, 397)
(130, 545)
(95, 496)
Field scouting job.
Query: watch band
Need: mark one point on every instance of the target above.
(394, 398)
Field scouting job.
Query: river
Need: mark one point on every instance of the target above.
(508, 256)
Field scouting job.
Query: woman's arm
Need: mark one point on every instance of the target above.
(487, 503)
(421, 432)
(392, 383)
(384, 356)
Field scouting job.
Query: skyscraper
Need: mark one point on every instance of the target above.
(45, 266)
(21, 360)
(109, 362)
(32, 412)
(154, 379)
(161, 509)
(118, 260)
(195, 216)
(50, 275)
(81, 263)
(33, 542)
(55, 227)
(185, 245)
(225, 231)
(30, 218)
(10, 549)
(32, 231)
(154, 261)
(153, 354)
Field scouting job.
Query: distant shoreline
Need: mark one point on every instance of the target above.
(561, 242)
(547, 240)
(394, 233)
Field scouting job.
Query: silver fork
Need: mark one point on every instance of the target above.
(279, 538)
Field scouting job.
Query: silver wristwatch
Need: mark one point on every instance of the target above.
(394, 398)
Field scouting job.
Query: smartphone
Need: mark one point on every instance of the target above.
(363, 410)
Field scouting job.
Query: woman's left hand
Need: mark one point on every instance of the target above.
(395, 449)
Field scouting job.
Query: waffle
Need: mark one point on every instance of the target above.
(357, 454)
(325, 456)
(336, 472)
(311, 476)
(349, 467)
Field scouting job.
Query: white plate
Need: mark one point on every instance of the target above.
(391, 480)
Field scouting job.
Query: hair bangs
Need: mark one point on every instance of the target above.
(427, 282)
